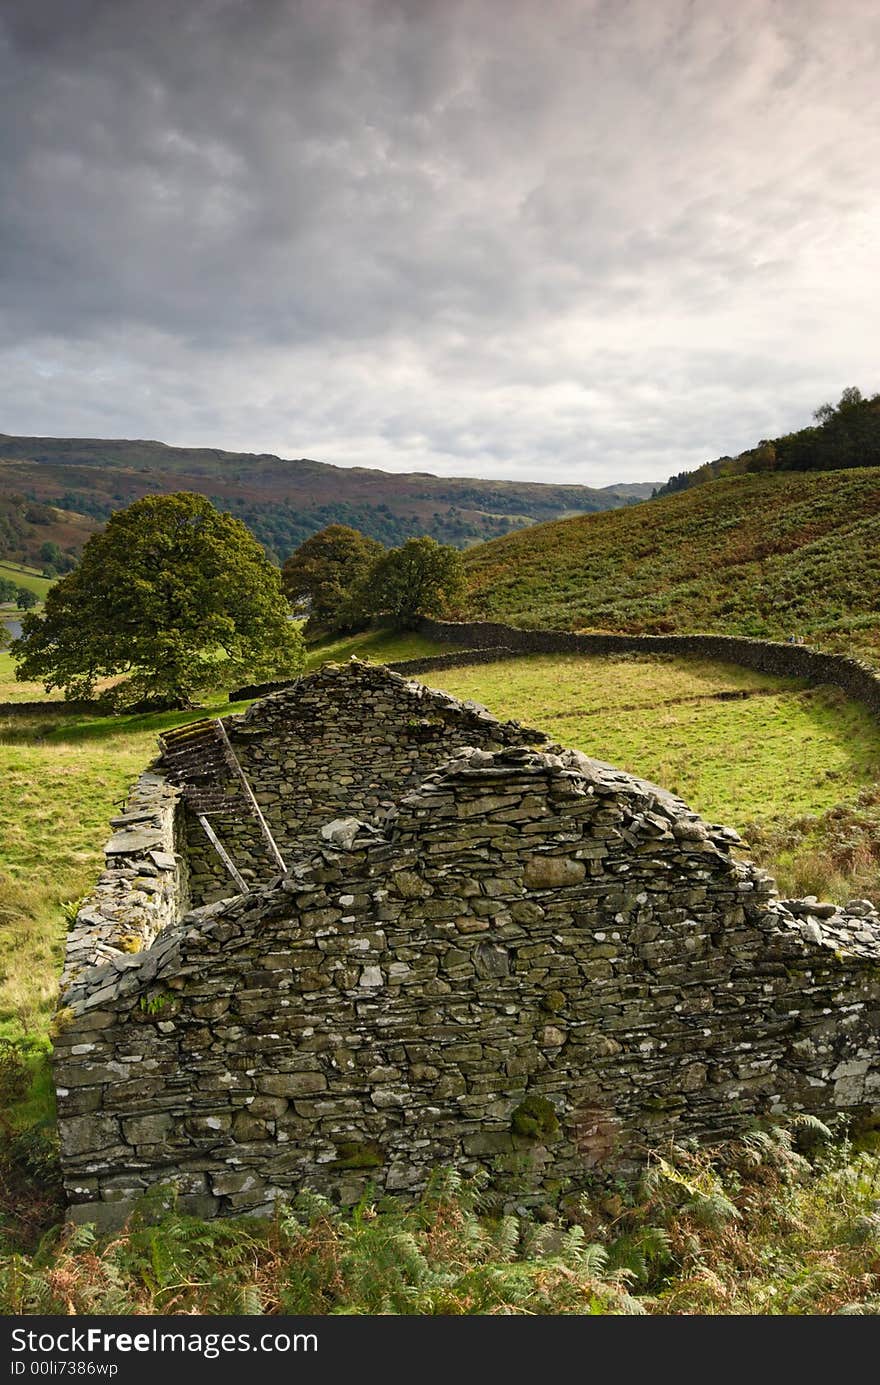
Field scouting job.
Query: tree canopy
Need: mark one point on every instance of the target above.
(422, 578)
(174, 595)
(324, 574)
(846, 435)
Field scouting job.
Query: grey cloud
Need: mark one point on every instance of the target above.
(603, 238)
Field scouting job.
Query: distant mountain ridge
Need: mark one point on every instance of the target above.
(285, 500)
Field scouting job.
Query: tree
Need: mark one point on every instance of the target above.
(850, 397)
(423, 578)
(324, 574)
(173, 594)
(25, 599)
(50, 553)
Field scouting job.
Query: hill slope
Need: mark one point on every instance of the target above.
(285, 501)
(28, 531)
(761, 555)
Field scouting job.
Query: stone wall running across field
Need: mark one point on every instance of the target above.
(486, 952)
(857, 679)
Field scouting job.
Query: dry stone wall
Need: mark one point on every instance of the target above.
(144, 886)
(531, 963)
(857, 679)
(454, 659)
(345, 741)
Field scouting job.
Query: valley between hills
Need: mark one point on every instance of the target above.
(796, 769)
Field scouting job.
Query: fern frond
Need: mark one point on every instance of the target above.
(712, 1209)
(806, 1121)
(250, 1301)
(81, 1237)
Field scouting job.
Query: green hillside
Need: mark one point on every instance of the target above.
(761, 555)
(38, 536)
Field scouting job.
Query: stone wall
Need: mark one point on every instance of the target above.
(343, 741)
(536, 965)
(431, 662)
(47, 707)
(857, 679)
(485, 655)
(144, 886)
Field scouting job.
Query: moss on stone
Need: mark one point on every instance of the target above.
(359, 1154)
(535, 1119)
(129, 942)
(60, 1021)
(553, 1001)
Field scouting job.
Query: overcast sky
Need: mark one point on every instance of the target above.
(581, 240)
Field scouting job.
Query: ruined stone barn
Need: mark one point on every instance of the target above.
(365, 930)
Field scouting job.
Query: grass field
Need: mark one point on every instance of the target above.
(25, 577)
(780, 751)
(382, 646)
(11, 691)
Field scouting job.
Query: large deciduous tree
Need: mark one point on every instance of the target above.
(324, 574)
(173, 594)
(422, 578)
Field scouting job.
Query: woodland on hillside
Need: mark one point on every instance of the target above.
(846, 434)
(42, 536)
